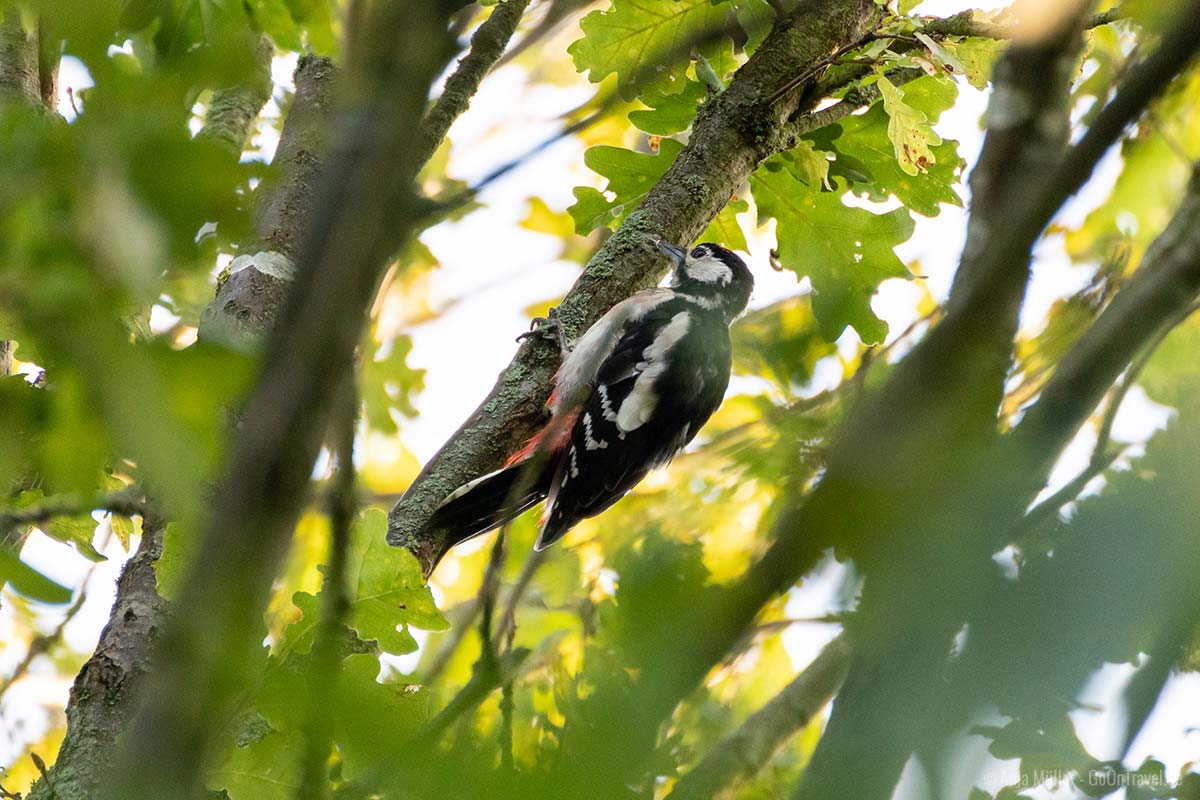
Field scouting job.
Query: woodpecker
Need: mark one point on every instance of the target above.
(635, 389)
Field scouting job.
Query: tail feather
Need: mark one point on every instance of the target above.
(488, 502)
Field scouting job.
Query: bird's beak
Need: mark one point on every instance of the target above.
(674, 252)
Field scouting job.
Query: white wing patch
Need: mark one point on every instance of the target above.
(709, 270)
(606, 404)
(589, 441)
(578, 372)
(637, 407)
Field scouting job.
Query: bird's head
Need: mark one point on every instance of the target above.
(712, 273)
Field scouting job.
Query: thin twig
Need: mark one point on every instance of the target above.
(42, 644)
(482, 683)
(1102, 455)
(506, 725)
(508, 618)
(487, 45)
(343, 502)
(487, 593)
(965, 24)
(127, 502)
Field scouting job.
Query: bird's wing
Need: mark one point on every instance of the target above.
(612, 447)
(578, 373)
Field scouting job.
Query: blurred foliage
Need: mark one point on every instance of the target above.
(115, 222)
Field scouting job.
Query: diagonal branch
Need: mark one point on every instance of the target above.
(487, 45)
(901, 475)
(740, 755)
(234, 110)
(732, 134)
(1156, 298)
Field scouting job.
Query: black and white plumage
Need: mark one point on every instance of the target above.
(637, 387)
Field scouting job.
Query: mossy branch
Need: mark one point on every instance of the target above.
(733, 133)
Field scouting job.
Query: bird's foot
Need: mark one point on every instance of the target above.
(549, 327)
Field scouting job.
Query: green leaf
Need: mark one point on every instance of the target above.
(845, 251)
(268, 769)
(387, 594)
(388, 384)
(276, 20)
(909, 130)
(78, 531)
(755, 18)
(978, 57)
(298, 636)
(591, 210)
(669, 113)
(638, 41)
(371, 717)
(630, 175)
(865, 154)
(123, 528)
(810, 165)
(389, 590)
(29, 582)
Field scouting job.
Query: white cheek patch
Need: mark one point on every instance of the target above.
(709, 270)
(637, 407)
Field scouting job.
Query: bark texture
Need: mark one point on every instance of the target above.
(20, 75)
(739, 756)
(364, 209)
(249, 298)
(106, 691)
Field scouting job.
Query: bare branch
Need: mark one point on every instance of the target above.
(740, 755)
(233, 110)
(126, 502)
(487, 45)
(101, 698)
(965, 24)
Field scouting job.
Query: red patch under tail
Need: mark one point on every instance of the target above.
(552, 438)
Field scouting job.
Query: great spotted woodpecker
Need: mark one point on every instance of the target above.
(636, 388)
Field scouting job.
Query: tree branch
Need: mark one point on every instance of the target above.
(1156, 298)
(732, 134)
(739, 756)
(126, 502)
(234, 110)
(104, 695)
(956, 406)
(250, 297)
(487, 45)
(20, 75)
(364, 209)
(965, 24)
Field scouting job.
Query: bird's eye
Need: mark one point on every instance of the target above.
(699, 252)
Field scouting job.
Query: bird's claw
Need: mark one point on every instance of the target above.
(549, 327)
